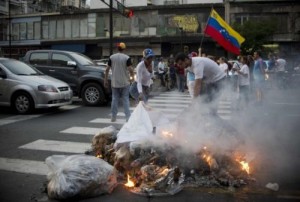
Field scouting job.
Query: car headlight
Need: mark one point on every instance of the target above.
(47, 88)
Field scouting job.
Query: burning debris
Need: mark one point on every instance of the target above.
(163, 163)
(172, 158)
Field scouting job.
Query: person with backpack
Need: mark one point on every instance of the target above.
(258, 76)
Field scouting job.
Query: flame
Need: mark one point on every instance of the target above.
(99, 156)
(129, 183)
(167, 134)
(245, 166)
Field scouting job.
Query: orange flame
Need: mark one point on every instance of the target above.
(99, 156)
(129, 183)
(245, 166)
(167, 134)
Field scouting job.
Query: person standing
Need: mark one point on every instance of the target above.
(140, 88)
(119, 64)
(207, 70)
(223, 65)
(190, 76)
(161, 71)
(280, 71)
(258, 76)
(244, 82)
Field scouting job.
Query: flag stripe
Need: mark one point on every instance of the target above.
(213, 23)
(221, 40)
(219, 30)
(226, 26)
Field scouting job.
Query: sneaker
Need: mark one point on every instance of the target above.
(113, 119)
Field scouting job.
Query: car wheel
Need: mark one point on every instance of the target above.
(22, 103)
(92, 95)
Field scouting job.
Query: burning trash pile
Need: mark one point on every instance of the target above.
(152, 156)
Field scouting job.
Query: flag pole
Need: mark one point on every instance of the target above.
(204, 30)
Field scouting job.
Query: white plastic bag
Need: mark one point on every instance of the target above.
(79, 176)
(138, 127)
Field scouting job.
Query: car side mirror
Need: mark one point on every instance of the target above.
(71, 63)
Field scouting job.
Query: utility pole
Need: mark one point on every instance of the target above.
(111, 31)
(9, 29)
(122, 10)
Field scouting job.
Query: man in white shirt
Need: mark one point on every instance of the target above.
(205, 70)
(161, 71)
(223, 65)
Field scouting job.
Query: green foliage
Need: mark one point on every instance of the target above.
(256, 33)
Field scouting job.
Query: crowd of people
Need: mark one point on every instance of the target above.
(196, 73)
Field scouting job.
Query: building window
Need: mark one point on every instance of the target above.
(75, 28)
(52, 29)
(15, 35)
(83, 27)
(68, 28)
(60, 29)
(30, 30)
(45, 29)
(92, 25)
(23, 31)
(37, 30)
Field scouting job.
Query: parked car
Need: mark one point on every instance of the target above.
(80, 72)
(24, 88)
(101, 61)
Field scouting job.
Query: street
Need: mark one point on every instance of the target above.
(271, 133)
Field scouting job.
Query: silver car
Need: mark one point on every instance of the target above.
(24, 88)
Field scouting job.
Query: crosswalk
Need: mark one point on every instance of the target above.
(170, 103)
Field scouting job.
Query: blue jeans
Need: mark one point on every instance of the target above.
(118, 93)
(135, 93)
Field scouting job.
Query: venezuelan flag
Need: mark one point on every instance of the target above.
(219, 30)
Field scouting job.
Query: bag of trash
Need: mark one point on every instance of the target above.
(80, 176)
(138, 127)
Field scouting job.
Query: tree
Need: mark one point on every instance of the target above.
(256, 34)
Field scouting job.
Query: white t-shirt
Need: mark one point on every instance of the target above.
(161, 67)
(280, 63)
(207, 69)
(143, 76)
(243, 80)
(236, 65)
(223, 67)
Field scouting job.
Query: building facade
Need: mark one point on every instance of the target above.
(165, 26)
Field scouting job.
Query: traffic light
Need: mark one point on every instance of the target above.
(128, 13)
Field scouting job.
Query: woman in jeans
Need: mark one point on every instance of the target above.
(140, 89)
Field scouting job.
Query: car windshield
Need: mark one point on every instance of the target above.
(20, 68)
(82, 59)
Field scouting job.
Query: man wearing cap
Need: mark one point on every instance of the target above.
(119, 64)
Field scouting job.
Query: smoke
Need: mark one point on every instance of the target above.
(267, 134)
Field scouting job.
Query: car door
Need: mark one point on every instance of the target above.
(40, 60)
(4, 97)
(65, 69)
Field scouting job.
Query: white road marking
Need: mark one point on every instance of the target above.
(169, 105)
(287, 103)
(57, 146)
(68, 107)
(168, 101)
(108, 121)
(13, 119)
(24, 166)
(81, 130)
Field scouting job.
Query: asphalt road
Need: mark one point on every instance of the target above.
(271, 132)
